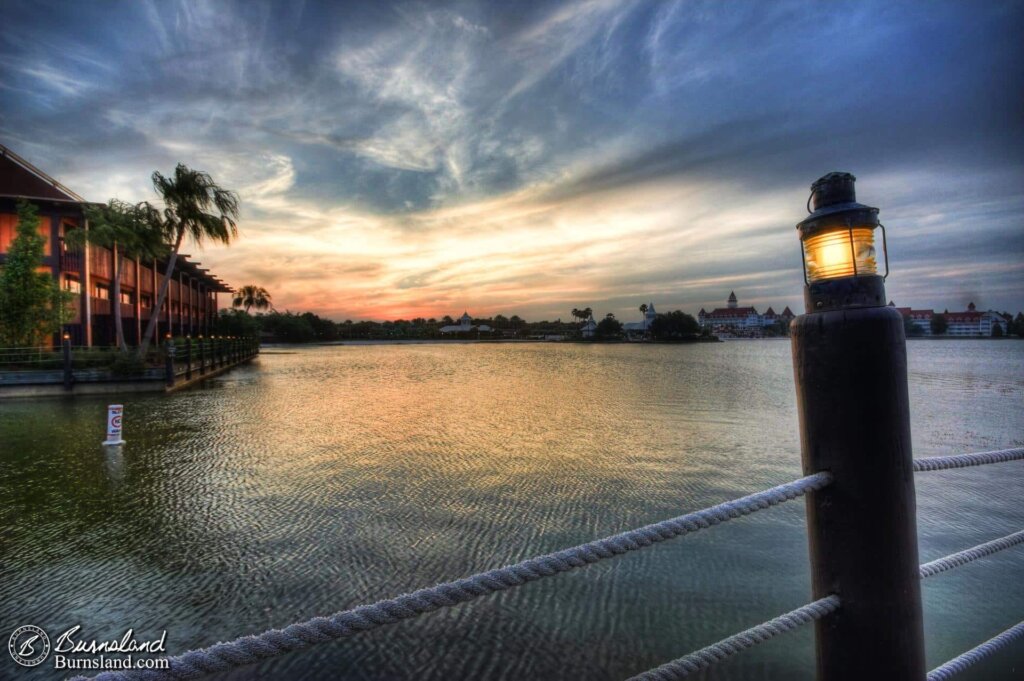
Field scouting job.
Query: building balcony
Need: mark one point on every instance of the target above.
(71, 261)
(100, 306)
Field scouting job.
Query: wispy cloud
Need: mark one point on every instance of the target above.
(420, 159)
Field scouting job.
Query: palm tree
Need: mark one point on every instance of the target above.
(195, 205)
(643, 309)
(129, 231)
(252, 296)
(576, 314)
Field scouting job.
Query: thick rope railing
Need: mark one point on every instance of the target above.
(716, 652)
(977, 654)
(941, 463)
(251, 649)
(966, 556)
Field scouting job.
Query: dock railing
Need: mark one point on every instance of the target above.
(222, 657)
(177, 360)
(189, 358)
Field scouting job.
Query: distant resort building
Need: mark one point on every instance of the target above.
(88, 272)
(634, 329)
(970, 322)
(740, 321)
(922, 319)
(589, 328)
(465, 325)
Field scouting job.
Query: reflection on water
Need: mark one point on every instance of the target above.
(115, 462)
(314, 481)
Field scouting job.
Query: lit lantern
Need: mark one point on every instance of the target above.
(838, 242)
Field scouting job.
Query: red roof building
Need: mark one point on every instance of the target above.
(744, 321)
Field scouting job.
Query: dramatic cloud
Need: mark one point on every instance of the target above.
(418, 159)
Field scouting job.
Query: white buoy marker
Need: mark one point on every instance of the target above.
(115, 412)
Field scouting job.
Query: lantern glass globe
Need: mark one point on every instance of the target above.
(840, 253)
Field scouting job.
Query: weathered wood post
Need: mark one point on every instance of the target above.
(169, 361)
(69, 375)
(850, 362)
(202, 355)
(188, 358)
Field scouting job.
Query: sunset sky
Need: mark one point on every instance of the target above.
(419, 159)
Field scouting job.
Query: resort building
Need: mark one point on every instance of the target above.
(638, 329)
(971, 322)
(465, 325)
(191, 304)
(740, 321)
(921, 319)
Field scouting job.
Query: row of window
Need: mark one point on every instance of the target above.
(102, 292)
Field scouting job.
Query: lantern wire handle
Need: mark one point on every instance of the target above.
(803, 263)
(853, 251)
(809, 201)
(885, 249)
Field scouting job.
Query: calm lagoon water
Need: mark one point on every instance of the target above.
(319, 478)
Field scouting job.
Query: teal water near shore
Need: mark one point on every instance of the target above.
(316, 480)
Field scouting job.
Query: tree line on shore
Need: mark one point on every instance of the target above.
(307, 327)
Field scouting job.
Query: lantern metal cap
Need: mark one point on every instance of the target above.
(834, 198)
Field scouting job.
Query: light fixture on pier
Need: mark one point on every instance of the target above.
(838, 247)
(66, 336)
(850, 373)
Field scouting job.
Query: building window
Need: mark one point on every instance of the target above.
(126, 298)
(146, 301)
(102, 292)
(73, 285)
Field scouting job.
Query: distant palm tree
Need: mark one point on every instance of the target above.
(195, 205)
(252, 296)
(576, 313)
(130, 232)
